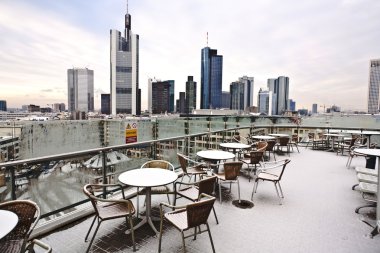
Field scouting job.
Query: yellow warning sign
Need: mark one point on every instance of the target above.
(131, 133)
(129, 126)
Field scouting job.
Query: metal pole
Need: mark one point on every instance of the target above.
(104, 170)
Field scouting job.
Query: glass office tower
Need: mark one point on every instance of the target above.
(80, 90)
(374, 87)
(211, 79)
(191, 95)
(124, 66)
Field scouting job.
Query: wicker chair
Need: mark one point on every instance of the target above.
(252, 160)
(193, 191)
(274, 176)
(270, 148)
(187, 217)
(294, 142)
(107, 209)
(164, 189)
(230, 175)
(283, 142)
(311, 139)
(18, 240)
(188, 171)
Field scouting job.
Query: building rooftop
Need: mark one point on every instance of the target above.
(317, 215)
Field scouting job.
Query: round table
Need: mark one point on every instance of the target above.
(8, 221)
(148, 178)
(332, 136)
(213, 156)
(263, 137)
(373, 152)
(234, 146)
(279, 135)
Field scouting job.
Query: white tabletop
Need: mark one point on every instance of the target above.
(263, 137)
(234, 145)
(334, 135)
(279, 135)
(8, 221)
(148, 177)
(215, 155)
(368, 151)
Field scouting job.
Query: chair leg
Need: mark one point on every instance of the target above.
(93, 237)
(183, 242)
(132, 232)
(92, 224)
(216, 218)
(253, 189)
(238, 190)
(160, 237)
(279, 186)
(138, 204)
(278, 195)
(360, 207)
(209, 234)
(220, 192)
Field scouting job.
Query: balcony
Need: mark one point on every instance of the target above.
(317, 214)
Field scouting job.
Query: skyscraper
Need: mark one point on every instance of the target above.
(162, 99)
(264, 102)
(181, 106)
(191, 95)
(211, 78)
(314, 109)
(374, 87)
(226, 100)
(292, 105)
(3, 105)
(237, 95)
(105, 102)
(280, 90)
(248, 90)
(80, 90)
(124, 65)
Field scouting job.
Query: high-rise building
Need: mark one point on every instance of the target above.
(211, 79)
(162, 99)
(280, 90)
(226, 100)
(264, 102)
(80, 83)
(105, 104)
(191, 95)
(3, 105)
(292, 105)
(248, 90)
(181, 105)
(124, 65)
(237, 95)
(314, 109)
(59, 107)
(374, 87)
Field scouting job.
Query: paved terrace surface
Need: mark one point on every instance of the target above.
(317, 215)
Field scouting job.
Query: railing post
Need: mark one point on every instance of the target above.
(186, 139)
(104, 170)
(208, 139)
(13, 182)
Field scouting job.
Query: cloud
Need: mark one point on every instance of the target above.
(324, 46)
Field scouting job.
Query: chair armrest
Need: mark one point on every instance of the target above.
(272, 165)
(183, 183)
(40, 244)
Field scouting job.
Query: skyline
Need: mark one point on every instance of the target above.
(323, 47)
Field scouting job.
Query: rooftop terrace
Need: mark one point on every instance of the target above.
(317, 215)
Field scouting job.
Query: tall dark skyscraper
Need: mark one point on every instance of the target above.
(211, 79)
(374, 87)
(124, 65)
(162, 98)
(191, 95)
(105, 103)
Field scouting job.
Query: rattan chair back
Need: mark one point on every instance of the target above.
(28, 215)
(183, 162)
(283, 141)
(198, 212)
(256, 157)
(162, 164)
(89, 190)
(261, 146)
(283, 169)
(270, 145)
(207, 185)
(232, 169)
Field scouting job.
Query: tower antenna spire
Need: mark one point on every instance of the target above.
(127, 6)
(207, 38)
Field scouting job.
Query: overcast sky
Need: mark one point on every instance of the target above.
(323, 46)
